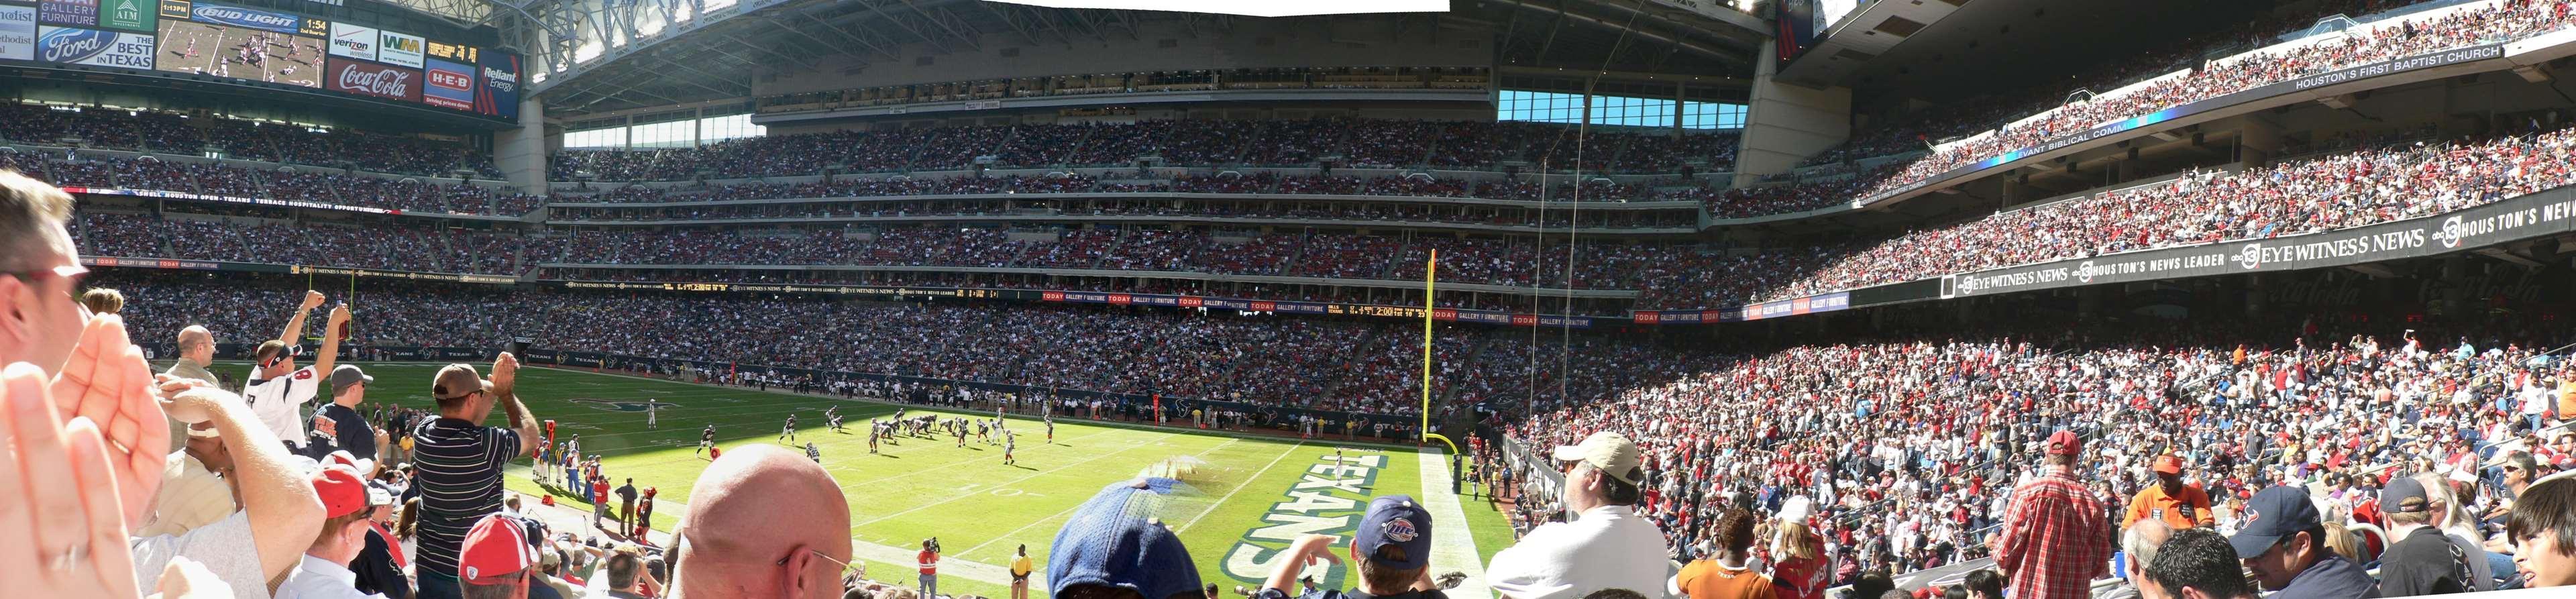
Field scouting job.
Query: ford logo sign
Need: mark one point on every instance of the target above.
(74, 45)
(244, 17)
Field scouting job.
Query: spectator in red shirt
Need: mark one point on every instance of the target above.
(929, 568)
(2057, 535)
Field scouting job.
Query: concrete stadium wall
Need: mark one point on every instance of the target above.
(1253, 43)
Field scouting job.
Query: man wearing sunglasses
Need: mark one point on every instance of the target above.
(280, 390)
(40, 319)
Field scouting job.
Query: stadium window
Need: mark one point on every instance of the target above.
(1555, 107)
(720, 128)
(610, 138)
(1712, 115)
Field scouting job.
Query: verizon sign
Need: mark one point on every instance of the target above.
(371, 79)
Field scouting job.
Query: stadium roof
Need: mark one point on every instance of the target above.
(606, 55)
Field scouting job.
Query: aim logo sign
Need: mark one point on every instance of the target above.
(1329, 498)
(612, 405)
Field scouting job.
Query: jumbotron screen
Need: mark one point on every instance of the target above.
(235, 42)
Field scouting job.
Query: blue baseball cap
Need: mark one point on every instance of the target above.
(2274, 514)
(1114, 539)
(2404, 495)
(1394, 521)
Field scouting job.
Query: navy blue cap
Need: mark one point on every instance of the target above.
(2404, 495)
(1114, 539)
(2272, 515)
(1395, 521)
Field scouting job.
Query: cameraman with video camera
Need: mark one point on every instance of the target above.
(930, 568)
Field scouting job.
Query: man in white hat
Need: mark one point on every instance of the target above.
(1604, 545)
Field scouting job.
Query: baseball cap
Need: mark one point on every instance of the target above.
(1115, 540)
(344, 492)
(2065, 443)
(344, 458)
(2168, 464)
(496, 547)
(346, 375)
(455, 381)
(2405, 495)
(1394, 521)
(2273, 514)
(1611, 453)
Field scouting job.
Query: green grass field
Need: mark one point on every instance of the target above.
(1248, 494)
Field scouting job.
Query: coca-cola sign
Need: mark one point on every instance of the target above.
(371, 79)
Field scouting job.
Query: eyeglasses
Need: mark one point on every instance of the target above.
(849, 571)
(71, 275)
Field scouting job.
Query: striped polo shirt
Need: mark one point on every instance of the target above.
(459, 482)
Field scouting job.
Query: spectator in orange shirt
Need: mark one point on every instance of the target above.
(1725, 575)
(2181, 506)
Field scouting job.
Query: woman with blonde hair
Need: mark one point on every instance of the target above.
(1799, 569)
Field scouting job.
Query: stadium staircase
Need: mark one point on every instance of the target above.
(1075, 149)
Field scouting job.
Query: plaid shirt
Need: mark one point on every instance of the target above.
(2056, 539)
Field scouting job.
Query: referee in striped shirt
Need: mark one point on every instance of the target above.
(459, 462)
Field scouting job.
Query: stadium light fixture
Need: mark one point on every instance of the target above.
(1252, 8)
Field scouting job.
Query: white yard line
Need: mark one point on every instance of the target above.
(1453, 548)
(1256, 475)
(1007, 483)
(1016, 531)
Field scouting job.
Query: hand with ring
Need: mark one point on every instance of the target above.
(62, 526)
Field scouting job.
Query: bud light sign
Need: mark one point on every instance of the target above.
(371, 79)
(68, 45)
(451, 85)
(246, 18)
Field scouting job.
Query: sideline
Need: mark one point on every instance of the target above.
(1453, 548)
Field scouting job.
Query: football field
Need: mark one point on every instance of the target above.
(1245, 498)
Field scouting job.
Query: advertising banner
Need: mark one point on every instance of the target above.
(372, 79)
(176, 9)
(129, 15)
(76, 13)
(2389, 67)
(239, 53)
(2550, 212)
(246, 18)
(399, 49)
(17, 32)
(351, 41)
(456, 53)
(68, 45)
(450, 85)
(499, 94)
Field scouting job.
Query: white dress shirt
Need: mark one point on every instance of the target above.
(317, 578)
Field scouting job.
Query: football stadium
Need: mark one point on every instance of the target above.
(1262, 299)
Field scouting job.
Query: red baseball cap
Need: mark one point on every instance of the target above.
(344, 492)
(2065, 443)
(497, 547)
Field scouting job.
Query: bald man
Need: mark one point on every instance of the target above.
(196, 352)
(762, 522)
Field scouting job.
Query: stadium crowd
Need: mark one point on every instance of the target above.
(2369, 43)
(1355, 143)
(175, 133)
(1864, 454)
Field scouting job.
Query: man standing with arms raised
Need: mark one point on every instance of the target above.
(280, 391)
(2057, 534)
(459, 462)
